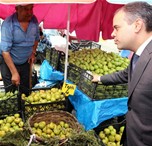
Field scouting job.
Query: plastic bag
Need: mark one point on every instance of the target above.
(56, 76)
(44, 84)
(59, 43)
(45, 70)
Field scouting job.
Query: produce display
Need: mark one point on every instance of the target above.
(8, 103)
(44, 96)
(4, 96)
(106, 92)
(110, 136)
(61, 130)
(98, 61)
(49, 124)
(21, 138)
(55, 133)
(110, 131)
(10, 124)
(43, 100)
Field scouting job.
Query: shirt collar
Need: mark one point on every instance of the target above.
(142, 47)
(15, 20)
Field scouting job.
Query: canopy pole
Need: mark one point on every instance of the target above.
(67, 44)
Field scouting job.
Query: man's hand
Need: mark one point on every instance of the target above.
(15, 79)
(96, 78)
(15, 75)
(31, 58)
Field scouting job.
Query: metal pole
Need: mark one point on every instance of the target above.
(67, 44)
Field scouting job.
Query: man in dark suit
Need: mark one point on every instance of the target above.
(133, 31)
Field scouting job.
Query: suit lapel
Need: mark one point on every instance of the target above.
(138, 71)
(129, 76)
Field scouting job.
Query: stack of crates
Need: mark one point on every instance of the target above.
(85, 44)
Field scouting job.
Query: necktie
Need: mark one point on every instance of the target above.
(134, 60)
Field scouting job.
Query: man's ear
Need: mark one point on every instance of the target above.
(138, 24)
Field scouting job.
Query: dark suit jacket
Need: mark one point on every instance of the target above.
(139, 115)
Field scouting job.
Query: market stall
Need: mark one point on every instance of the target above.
(89, 112)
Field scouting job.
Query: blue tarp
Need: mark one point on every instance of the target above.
(91, 113)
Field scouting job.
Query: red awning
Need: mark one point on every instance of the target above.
(88, 19)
